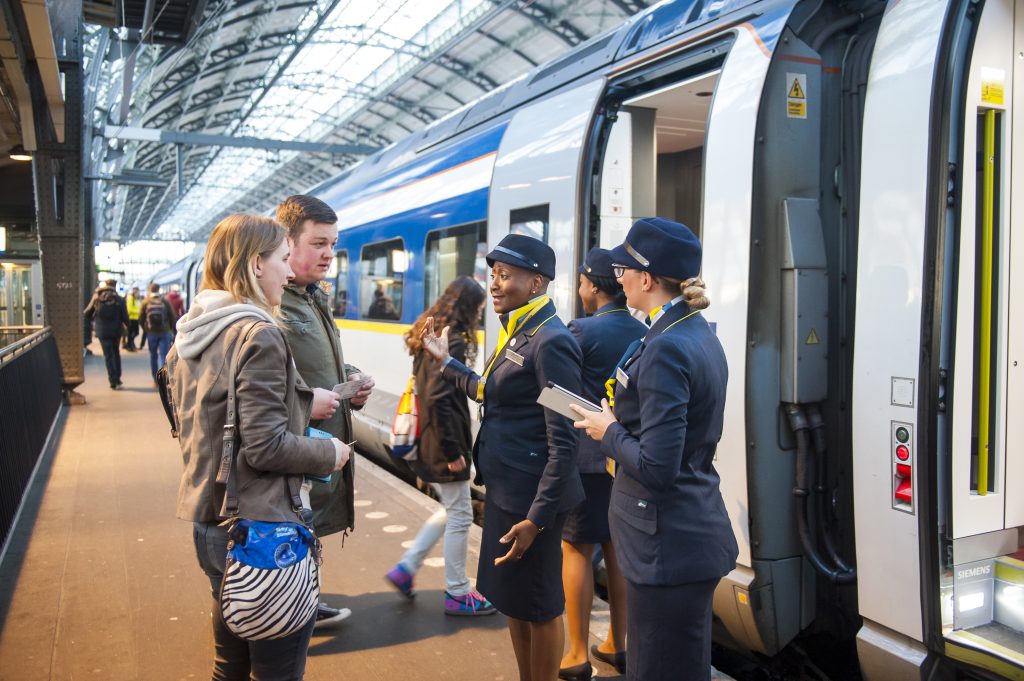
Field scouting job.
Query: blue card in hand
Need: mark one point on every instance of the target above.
(320, 435)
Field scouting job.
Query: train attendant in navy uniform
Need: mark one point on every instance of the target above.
(603, 337)
(524, 454)
(668, 520)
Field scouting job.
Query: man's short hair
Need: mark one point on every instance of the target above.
(154, 287)
(112, 283)
(293, 212)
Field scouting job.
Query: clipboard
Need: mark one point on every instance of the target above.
(557, 399)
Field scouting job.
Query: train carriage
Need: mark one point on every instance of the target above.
(848, 169)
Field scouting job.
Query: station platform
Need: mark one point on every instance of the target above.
(100, 580)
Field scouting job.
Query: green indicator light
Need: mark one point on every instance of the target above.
(902, 434)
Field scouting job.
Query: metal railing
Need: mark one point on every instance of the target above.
(30, 402)
(12, 334)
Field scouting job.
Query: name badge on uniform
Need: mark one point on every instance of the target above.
(514, 356)
(621, 377)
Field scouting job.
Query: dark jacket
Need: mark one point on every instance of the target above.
(169, 318)
(313, 338)
(603, 338)
(445, 432)
(108, 312)
(273, 408)
(667, 517)
(524, 453)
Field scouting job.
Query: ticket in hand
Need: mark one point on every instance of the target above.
(348, 390)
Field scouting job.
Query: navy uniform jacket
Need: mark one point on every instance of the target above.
(524, 453)
(667, 517)
(603, 338)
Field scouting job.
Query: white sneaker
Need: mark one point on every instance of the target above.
(327, 616)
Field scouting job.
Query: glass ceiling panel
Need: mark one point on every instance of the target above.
(348, 59)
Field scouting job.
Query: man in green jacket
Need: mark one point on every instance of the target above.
(313, 338)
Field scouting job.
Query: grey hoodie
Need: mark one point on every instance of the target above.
(211, 313)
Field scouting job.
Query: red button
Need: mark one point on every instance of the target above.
(902, 452)
(903, 492)
(903, 470)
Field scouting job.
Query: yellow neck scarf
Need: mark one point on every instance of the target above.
(516, 319)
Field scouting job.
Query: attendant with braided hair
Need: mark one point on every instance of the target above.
(668, 521)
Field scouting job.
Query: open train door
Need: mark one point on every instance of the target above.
(939, 369)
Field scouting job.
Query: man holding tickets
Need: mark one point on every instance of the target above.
(526, 454)
(668, 521)
(313, 338)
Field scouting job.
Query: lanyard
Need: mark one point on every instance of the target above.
(609, 385)
(516, 320)
(662, 309)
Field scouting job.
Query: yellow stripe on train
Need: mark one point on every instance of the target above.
(392, 328)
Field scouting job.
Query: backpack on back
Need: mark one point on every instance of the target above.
(155, 319)
(107, 307)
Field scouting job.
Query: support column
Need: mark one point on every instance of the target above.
(57, 175)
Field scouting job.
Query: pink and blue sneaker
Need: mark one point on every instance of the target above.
(401, 580)
(470, 605)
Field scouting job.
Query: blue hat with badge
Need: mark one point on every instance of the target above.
(661, 247)
(598, 263)
(524, 252)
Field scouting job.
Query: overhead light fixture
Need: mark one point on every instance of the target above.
(18, 153)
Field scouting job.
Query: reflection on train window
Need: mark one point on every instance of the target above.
(451, 253)
(381, 272)
(531, 221)
(338, 276)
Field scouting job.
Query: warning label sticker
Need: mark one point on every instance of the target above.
(993, 84)
(812, 338)
(796, 95)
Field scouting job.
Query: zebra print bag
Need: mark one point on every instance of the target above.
(271, 583)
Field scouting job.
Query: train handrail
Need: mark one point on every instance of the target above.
(21, 345)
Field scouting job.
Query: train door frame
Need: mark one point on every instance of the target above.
(729, 144)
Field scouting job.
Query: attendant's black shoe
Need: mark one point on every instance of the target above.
(617, 660)
(579, 672)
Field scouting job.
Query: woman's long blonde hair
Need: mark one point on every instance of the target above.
(231, 250)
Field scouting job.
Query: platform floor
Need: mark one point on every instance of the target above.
(100, 580)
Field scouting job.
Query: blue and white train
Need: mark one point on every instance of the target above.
(848, 168)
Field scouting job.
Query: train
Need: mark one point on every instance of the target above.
(848, 168)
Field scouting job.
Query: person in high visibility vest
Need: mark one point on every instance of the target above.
(134, 304)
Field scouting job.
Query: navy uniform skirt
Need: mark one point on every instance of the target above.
(530, 588)
(588, 522)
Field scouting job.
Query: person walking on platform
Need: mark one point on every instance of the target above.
(603, 336)
(177, 304)
(134, 305)
(669, 524)
(444, 450)
(245, 272)
(108, 313)
(524, 453)
(157, 319)
(313, 338)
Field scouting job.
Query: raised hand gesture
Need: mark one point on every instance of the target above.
(436, 345)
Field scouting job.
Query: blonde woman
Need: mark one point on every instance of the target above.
(244, 277)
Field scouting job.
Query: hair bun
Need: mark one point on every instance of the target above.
(695, 293)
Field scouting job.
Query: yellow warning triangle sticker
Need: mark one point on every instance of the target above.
(812, 338)
(796, 92)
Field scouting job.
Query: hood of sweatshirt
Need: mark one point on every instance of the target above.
(212, 311)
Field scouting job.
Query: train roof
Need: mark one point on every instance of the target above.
(480, 123)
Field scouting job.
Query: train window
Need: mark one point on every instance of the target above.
(532, 221)
(453, 252)
(338, 276)
(381, 272)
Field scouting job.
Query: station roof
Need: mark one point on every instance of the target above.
(349, 76)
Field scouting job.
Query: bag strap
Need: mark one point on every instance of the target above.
(227, 474)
